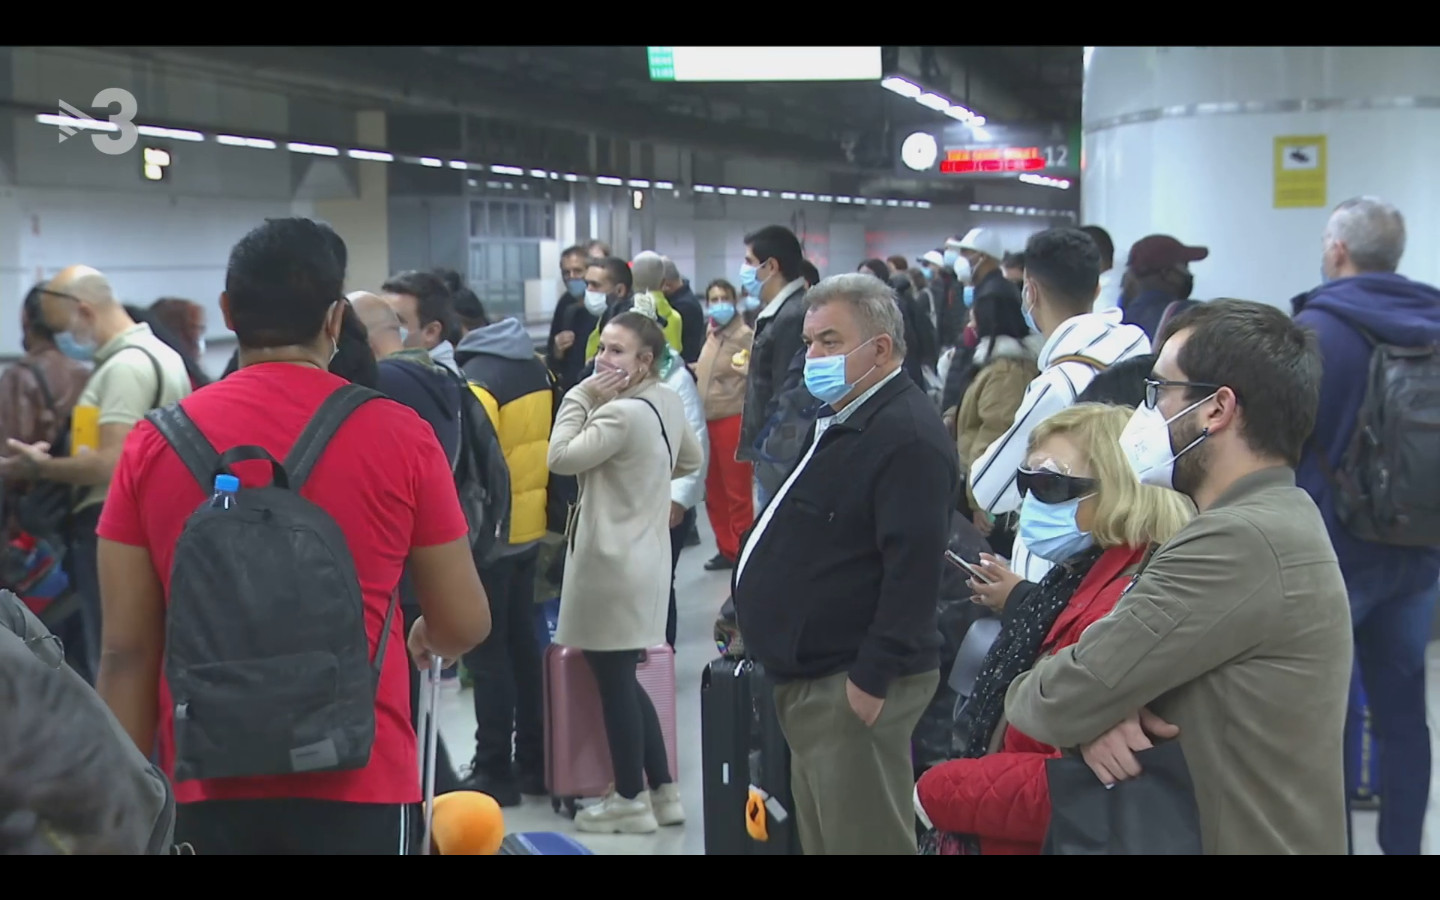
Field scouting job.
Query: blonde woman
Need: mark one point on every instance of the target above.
(624, 434)
(1085, 511)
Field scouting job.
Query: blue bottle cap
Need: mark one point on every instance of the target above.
(228, 483)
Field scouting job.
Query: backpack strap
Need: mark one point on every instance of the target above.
(327, 420)
(39, 374)
(188, 442)
(1084, 360)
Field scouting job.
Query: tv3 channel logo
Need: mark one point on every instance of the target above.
(120, 135)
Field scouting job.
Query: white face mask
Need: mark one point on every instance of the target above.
(595, 302)
(200, 345)
(1146, 444)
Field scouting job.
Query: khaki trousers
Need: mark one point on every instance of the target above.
(853, 785)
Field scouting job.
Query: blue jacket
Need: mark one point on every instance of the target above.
(1397, 311)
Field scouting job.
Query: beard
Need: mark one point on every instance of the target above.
(1191, 465)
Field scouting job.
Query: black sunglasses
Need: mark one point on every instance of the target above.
(1153, 386)
(1052, 487)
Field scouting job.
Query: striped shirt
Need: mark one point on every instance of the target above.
(1098, 336)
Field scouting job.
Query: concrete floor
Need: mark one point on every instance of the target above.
(700, 595)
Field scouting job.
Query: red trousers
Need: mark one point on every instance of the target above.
(728, 486)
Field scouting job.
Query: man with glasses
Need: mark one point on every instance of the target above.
(134, 373)
(1062, 278)
(1234, 637)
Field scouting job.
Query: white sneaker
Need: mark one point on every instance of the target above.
(665, 800)
(616, 815)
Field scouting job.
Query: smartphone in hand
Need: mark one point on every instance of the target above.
(972, 568)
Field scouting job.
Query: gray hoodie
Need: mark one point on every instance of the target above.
(507, 339)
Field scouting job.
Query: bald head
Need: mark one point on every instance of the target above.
(79, 307)
(89, 286)
(380, 320)
(648, 270)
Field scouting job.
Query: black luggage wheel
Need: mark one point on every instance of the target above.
(567, 802)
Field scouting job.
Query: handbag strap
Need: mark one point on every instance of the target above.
(669, 451)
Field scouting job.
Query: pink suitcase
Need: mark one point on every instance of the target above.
(577, 754)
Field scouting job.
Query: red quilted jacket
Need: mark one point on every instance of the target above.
(1003, 799)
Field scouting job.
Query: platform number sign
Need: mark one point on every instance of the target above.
(662, 63)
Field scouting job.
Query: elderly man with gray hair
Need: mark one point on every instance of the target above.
(836, 587)
(1391, 578)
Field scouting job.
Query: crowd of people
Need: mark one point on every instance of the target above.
(1185, 541)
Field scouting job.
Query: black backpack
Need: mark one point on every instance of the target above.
(266, 652)
(482, 477)
(1387, 489)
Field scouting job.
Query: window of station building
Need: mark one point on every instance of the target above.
(505, 239)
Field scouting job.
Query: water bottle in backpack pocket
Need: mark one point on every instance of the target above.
(267, 655)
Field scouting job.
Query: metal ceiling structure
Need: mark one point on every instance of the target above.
(558, 94)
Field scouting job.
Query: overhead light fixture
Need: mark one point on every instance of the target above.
(639, 183)
(174, 134)
(235, 140)
(922, 204)
(809, 198)
(431, 162)
(843, 199)
(1046, 181)
(609, 180)
(664, 186)
(460, 164)
(571, 177)
(538, 173)
(312, 149)
(729, 191)
(933, 101)
(902, 87)
(749, 192)
(507, 170)
(825, 198)
(704, 188)
(789, 195)
(74, 122)
(371, 155)
(765, 194)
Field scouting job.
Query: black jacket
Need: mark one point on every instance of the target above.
(846, 576)
(777, 340)
(570, 315)
(692, 322)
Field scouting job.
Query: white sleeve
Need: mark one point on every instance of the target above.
(992, 477)
(689, 490)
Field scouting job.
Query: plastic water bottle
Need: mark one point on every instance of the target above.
(225, 488)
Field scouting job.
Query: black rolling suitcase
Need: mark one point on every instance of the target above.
(742, 747)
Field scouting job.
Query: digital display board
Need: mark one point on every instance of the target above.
(763, 64)
(994, 151)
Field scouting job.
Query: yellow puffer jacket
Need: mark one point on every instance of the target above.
(673, 326)
(515, 390)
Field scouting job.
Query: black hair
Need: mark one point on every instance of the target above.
(1067, 264)
(282, 279)
(1103, 242)
(809, 272)
(651, 337)
(1122, 384)
(169, 338)
(998, 315)
(780, 244)
(877, 268)
(433, 301)
(618, 270)
(1271, 363)
(723, 284)
(354, 360)
(33, 317)
(1013, 261)
(62, 787)
(468, 308)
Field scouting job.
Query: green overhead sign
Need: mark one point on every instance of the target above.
(662, 63)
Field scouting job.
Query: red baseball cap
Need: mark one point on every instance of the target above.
(1161, 251)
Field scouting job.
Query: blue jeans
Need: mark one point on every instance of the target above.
(1391, 632)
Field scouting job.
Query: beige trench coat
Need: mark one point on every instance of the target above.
(617, 568)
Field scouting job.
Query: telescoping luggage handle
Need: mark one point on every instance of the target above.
(429, 743)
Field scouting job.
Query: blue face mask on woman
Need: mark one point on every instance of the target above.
(722, 313)
(825, 377)
(1050, 530)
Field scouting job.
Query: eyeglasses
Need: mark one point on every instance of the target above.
(1153, 386)
(1052, 487)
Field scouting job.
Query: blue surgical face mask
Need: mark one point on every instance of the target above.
(925, 272)
(80, 351)
(951, 256)
(825, 377)
(1050, 531)
(723, 313)
(575, 287)
(750, 279)
(404, 334)
(1027, 309)
(752, 303)
(969, 295)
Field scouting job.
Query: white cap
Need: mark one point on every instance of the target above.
(983, 240)
(934, 258)
(962, 270)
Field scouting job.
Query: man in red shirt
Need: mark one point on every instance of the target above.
(383, 479)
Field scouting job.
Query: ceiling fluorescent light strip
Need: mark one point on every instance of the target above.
(932, 100)
(898, 85)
